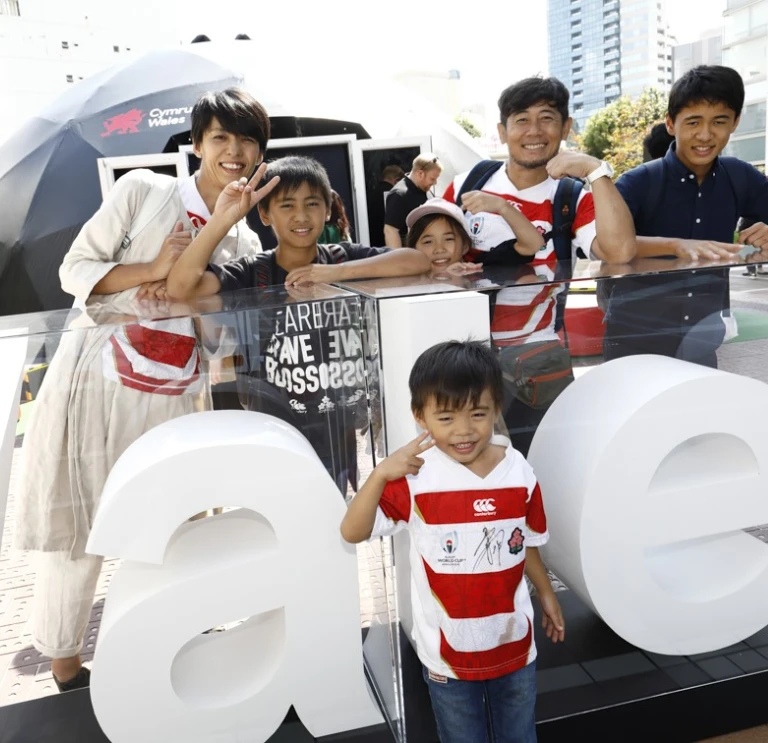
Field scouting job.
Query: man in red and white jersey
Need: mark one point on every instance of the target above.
(474, 512)
(534, 121)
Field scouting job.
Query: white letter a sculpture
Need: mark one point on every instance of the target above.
(278, 562)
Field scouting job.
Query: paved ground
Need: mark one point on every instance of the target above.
(25, 675)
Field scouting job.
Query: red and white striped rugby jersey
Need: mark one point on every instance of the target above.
(472, 615)
(525, 313)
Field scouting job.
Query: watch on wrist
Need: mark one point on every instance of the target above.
(604, 169)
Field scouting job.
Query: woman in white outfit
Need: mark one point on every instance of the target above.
(106, 386)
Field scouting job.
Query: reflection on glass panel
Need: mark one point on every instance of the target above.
(313, 359)
(94, 385)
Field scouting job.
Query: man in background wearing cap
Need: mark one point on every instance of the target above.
(408, 194)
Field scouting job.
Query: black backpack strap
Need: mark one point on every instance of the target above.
(478, 177)
(563, 215)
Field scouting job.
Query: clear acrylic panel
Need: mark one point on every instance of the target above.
(704, 318)
(92, 383)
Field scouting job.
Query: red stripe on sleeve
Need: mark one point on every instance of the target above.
(396, 500)
(536, 519)
(484, 664)
(585, 212)
(476, 595)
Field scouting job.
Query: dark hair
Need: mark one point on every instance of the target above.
(529, 92)
(421, 224)
(455, 373)
(294, 171)
(237, 112)
(707, 84)
(339, 217)
(656, 142)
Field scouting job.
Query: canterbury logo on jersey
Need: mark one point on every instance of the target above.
(484, 506)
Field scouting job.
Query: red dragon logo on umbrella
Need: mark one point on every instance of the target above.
(125, 123)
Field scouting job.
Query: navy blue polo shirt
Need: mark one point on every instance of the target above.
(689, 210)
(666, 313)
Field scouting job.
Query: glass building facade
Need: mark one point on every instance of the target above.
(602, 49)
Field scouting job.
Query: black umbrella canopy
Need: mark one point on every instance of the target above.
(49, 184)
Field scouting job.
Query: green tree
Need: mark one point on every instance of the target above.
(616, 132)
(468, 127)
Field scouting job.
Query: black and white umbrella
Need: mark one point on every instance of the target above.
(49, 183)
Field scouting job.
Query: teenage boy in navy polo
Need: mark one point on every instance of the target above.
(686, 205)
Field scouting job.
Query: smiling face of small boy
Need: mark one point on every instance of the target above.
(463, 434)
(297, 217)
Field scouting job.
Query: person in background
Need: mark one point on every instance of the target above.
(377, 197)
(336, 229)
(391, 175)
(407, 194)
(656, 142)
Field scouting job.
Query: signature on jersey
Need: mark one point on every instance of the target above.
(490, 547)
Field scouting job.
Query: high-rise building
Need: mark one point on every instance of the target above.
(706, 50)
(745, 48)
(602, 49)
